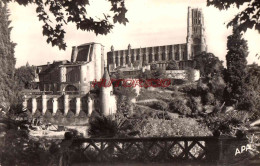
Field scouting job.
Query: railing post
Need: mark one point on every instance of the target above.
(212, 149)
(186, 149)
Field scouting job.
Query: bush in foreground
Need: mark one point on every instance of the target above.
(175, 127)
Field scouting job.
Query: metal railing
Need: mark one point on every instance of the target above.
(169, 149)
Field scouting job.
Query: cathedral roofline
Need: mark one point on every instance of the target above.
(150, 47)
(85, 44)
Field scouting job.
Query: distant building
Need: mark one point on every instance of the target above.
(161, 55)
(66, 85)
(86, 65)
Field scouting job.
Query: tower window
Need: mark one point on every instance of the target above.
(138, 57)
(163, 56)
(156, 57)
(170, 56)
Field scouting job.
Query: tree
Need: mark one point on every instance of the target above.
(158, 73)
(7, 60)
(253, 77)
(124, 97)
(208, 64)
(154, 66)
(103, 126)
(136, 63)
(24, 76)
(253, 81)
(237, 91)
(65, 11)
(247, 18)
(173, 65)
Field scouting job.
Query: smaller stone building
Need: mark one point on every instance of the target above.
(67, 85)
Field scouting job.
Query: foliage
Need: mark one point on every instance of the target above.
(226, 122)
(217, 86)
(175, 127)
(47, 115)
(16, 148)
(7, 61)
(37, 114)
(178, 105)
(82, 114)
(154, 66)
(149, 94)
(24, 76)
(194, 103)
(208, 64)
(247, 18)
(136, 63)
(70, 114)
(107, 127)
(124, 97)
(172, 65)
(253, 81)
(237, 91)
(125, 91)
(102, 126)
(155, 104)
(118, 75)
(158, 74)
(160, 105)
(65, 11)
(147, 74)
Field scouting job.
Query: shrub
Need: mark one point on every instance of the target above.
(47, 115)
(58, 114)
(102, 126)
(178, 105)
(174, 127)
(82, 114)
(194, 103)
(173, 65)
(178, 81)
(226, 122)
(37, 114)
(153, 66)
(70, 114)
(208, 98)
(160, 105)
(148, 94)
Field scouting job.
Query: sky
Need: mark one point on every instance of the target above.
(151, 23)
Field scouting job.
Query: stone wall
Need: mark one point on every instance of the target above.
(181, 74)
(52, 103)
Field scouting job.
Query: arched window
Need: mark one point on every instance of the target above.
(156, 57)
(177, 57)
(138, 57)
(150, 58)
(163, 57)
(132, 58)
(170, 56)
(144, 57)
(116, 61)
(121, 61)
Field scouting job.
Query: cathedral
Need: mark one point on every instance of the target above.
(160, 55)
(67, 85)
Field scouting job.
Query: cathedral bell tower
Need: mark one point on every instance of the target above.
(196, 39)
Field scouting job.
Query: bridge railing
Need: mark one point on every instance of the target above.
(208, 149)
